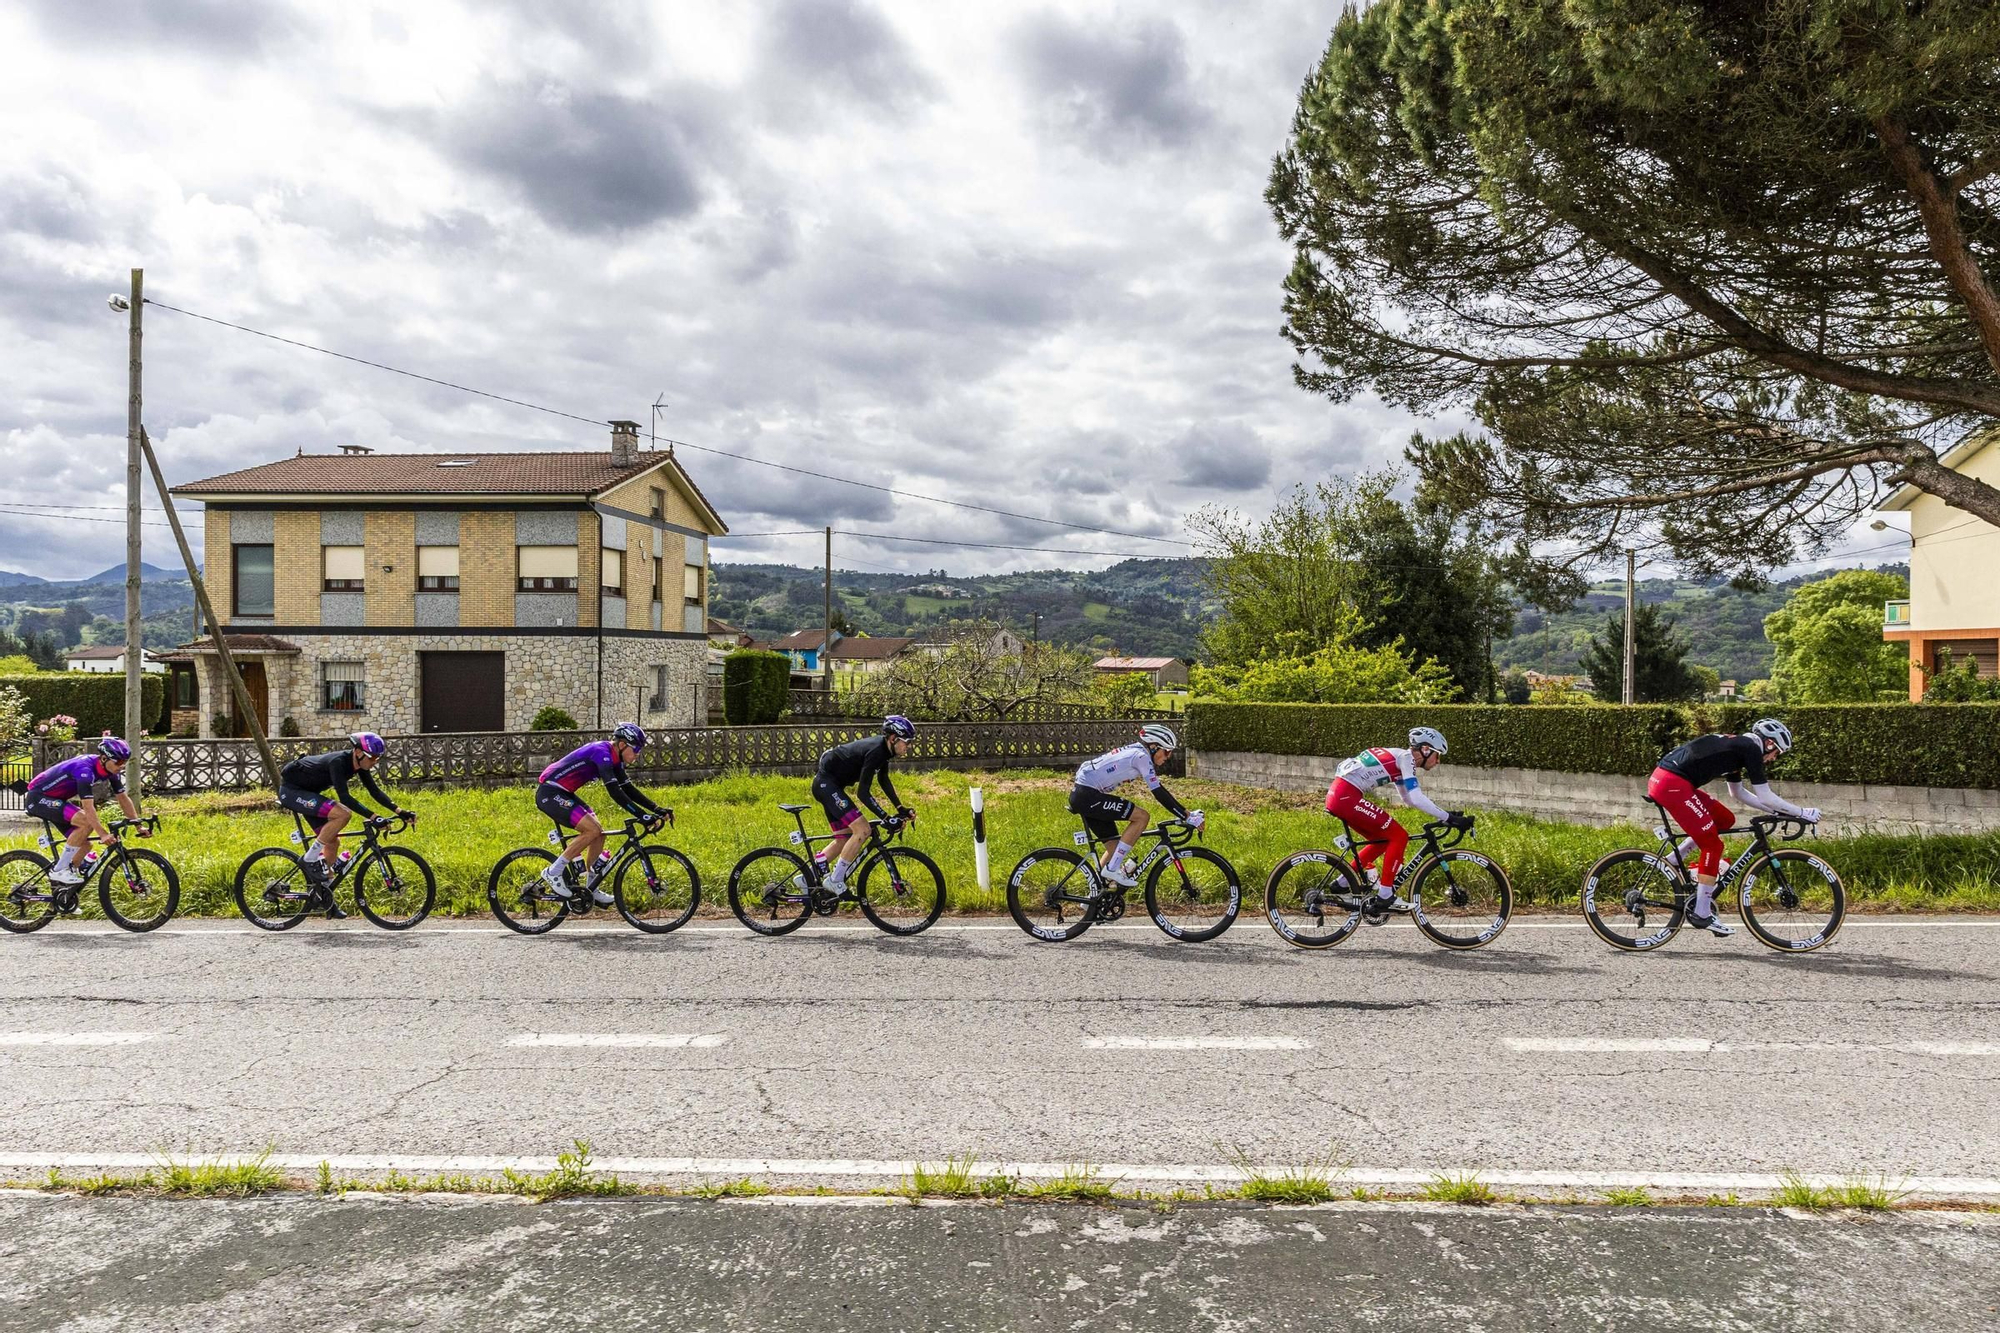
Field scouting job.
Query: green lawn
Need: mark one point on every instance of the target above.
(462, 833)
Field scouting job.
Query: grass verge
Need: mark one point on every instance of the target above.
(1312, 1181)
(1466, 1189)
(1875, 1195)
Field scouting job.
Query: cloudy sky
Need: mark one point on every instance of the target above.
(1008, 254)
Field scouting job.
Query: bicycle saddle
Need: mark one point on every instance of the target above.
(790, 809)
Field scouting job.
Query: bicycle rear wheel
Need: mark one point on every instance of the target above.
(1463, 900)
(1633, 901)
(139, 890)
(26, 900)
(907, 894)
(767, 891)
(394, 888)
(1047, 893)
(1792, 901)
(1313, 899)
(657, 889)
(1193, 894)
(519, 896)
(271, 889)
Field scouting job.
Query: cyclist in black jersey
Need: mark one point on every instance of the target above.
(860, 764)
(304, 783)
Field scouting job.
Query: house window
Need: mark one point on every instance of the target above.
(342, 687)
(546, 568)
(255, 583)
(691, 581)
(345, 567)
(659, 578)
(658, 703)
(659, 503)
(614, 573)
(184, 688)
(437, 569)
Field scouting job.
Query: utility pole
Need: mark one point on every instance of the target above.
(1035, 633)
(134, 695)
(826, 643)
(1631, 647)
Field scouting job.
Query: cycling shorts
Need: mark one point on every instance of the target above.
(315, 806)
(841, 811)
(60, 813)
(561, 804)
(1103, 814)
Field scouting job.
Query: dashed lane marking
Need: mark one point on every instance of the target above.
(647, 1039)
(1708, 1046)
(1195, 1044)
(74, 1038)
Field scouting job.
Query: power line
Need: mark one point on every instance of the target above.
(682, 444)
(991, 546)
(85, 518)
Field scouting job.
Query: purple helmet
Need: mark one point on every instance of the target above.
(899, 726)
(631, 733)
(113, 748)
(369, 743)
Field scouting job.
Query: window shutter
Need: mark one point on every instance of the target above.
(437, 562)
(345, 562)
(548, 562)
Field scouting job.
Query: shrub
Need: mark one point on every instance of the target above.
(97, 702)
(754, 683)
(550, 718)
(288, 727)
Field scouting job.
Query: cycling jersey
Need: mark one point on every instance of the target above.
(1676, 783)
(1706, 758)
(71, 779)
(595, 762)
(864, 761)
(332, 771)
(1385, 766)
(1123, 765)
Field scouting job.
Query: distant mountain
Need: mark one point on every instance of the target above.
(116, 574)
(10, 579)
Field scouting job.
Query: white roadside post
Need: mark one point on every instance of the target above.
(981, 866)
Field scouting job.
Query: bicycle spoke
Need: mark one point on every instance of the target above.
(1048, 894)
(1792, 901)
(768, 893)
(271, 889)
(1193, 896)
(139, 891)
(657, 889)
(1632, 901)
(394, 888)
(1464, 898)
(25, 898)
(1311, 899)
(901, 891)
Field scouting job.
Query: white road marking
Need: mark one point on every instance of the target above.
(655, 1039)
(1594, 1045)
(74, 1038)
(1132, 1173)
(1195, 1044)
(1704, 1046)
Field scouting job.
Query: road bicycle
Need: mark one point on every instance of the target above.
(393, 886)
(1192, 893)
(899, 889)
(1458, 898)
(136, 886)
(655, 888)
(1790, 900)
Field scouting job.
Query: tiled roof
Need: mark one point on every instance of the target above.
(104, 652)
(244, 643)
(1133, 663)
(800, 641)
(875, 649)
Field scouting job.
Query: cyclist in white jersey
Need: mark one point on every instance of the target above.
(1358, 779)
(1104, 812)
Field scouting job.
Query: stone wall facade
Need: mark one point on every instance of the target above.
(1603, 798)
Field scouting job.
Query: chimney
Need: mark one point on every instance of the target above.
(624, 443)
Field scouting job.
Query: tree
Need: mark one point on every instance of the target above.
(1959, 682)
(1123, 690)
(1337, 673)
(1659, 651)
(1828, 637)
(1720, 267)
(1433, 587)
(973, 679)
(1514, 687)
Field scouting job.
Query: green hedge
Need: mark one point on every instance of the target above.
(754, 683)
(95, 699)
(1915, 745)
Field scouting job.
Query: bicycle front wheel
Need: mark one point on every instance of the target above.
(657, 889)
(1633, 901)
(394, 888)
(1462, 900)
(1313, 899)
(1193, 895)
(26, 900)
(271, 889)
(767, 891)
(1049, 893)
(520, 897)
(901, 890)
(139, 890)
(1792, 901)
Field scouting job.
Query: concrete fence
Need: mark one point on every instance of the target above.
(1601, 798)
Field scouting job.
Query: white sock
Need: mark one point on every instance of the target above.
(1117, 858)
(554, 873)
(315, 852)
(67, 857)
(838, 875)
(1704, 899)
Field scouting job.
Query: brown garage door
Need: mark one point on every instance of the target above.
(464, 691)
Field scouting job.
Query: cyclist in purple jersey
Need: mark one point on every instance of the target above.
(66, 796)
(555, 796)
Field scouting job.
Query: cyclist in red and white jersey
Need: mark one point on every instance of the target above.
(1358, 779)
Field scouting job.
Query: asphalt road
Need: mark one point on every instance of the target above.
(840, 1053)
(354, 1265)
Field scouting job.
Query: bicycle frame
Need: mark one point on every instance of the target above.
(49, 842)
(560, 839)
(878, 842)
(1172, 834)
(1412, 865)
(369, 835)
(1760, 847)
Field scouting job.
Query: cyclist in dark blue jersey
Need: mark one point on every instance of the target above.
(860, 764)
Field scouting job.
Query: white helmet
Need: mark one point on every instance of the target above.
(1163, 737)
(1774, 731)
(1430, 736)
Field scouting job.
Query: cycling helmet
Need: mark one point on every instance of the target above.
(1430, 736)
(113, 748)
(899, 726)
(1774, 731)
(369, 743)
(631, 733)
(1163, 737)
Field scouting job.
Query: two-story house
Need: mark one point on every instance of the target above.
(459, 592)
(1954, 601)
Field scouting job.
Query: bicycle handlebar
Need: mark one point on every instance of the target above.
(1793, 827)
(150, 823)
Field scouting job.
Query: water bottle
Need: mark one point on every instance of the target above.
(599, 866)
(89, 860)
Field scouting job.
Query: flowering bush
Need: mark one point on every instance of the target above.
(61, 727)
